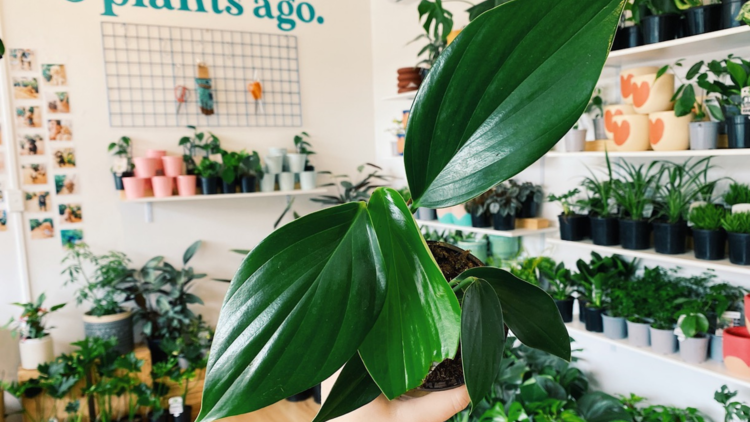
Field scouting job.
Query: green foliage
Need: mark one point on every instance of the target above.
(208, 168)
(733, 410)
(302, 144)
(693, 324)
(565, 200)
(200, 142)
(348, 191)
(596, 104)
(635, 189)
(230, 164)
(738, 222)
(437, 23)
(561, 283)
(31, 324)
(738, 193)
(250, 165)
(504, 199)
(678, 185)
(707, 217)
(685, 98)
(634, 405)
(123, 149)
(743, 16)
(531, 269)
(599, 193)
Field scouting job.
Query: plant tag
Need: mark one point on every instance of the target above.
(175, 406)
(612, 204)
(746, 100)
(494, 208)
(738, 208)
(648, 210)
(649, 193)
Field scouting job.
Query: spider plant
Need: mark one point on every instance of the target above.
(635, 189)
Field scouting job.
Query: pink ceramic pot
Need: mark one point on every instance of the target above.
(146, 167)
(135, 187)
(186, 185)
(172, 166)
(163, 186)
(737, 351)
(158, 154)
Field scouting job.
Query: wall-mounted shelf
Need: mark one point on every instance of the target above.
(684, 260)
(710, 367)
(404, 96)
(744, 152)
(490, 232)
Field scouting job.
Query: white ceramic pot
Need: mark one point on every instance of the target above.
(35, 352)
(274, 164)
(694, 350)
(630, 132)
(268, 182)
(626, 81)
(308, 180)
(651, 95)
(667, 132)
(277, 151)
(295, 163)
(610, 112)
(286, 181)
(575, 140)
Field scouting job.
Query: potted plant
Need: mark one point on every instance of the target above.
(692, 332)
(730, 76)
(531, 197)
(619, 304)
(129, 368)
(250, 171)
(503, 205)
(35, 341)
(123, 165)
(634, 192)
(733, 13)
(737, 226)
(477, 208)
(202, 143)
(700, 17)
(110, 285)
(709, 237)
(208, 172)
(561, 289)
(298, 162)
(662, 23)
(230, 169)
(572, 225)
(600, 201)
(470, 242)
(738, 193)
(595, 109)
(575, 139)
(592, 284)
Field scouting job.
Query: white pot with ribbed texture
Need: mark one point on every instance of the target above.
(295, 163)
(308, 180)
(35, 352)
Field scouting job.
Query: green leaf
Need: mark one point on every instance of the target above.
(739, 76)
(694, 70)
(662, 71)
(686, 102)
(298, 308)
(527, 310)
(474, 126)
(353, 389)
(188, 255)
(532, 391)
(482, 339)
(601, 407)
(420, 322)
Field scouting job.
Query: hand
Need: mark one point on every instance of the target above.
(434, 407)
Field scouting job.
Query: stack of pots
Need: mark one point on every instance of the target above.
(285, 168)
(159, 173)
(409, 79)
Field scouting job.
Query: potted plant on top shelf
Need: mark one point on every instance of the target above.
(730, 77)
(299, 162)
(123, 165)
(661, 24)
(634, 191)
(230, 169)
(209, 172)
(503, 205)
(737, 226)
(30, 328)
(700, 17)
(572, 225)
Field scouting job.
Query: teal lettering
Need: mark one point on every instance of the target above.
(109, 10)
(200, 7)
(264, 10)
(215, 5)
(139, 3)
(286, 24)
(184, 6)
(238, 10)
(167, 4)
(310, 12)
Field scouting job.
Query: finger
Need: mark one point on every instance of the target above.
(434, 407)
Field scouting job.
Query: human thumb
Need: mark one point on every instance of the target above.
(434, 407)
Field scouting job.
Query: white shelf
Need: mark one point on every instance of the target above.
(404, 96)
(491, 232)
(685, 260)
(735, 152)
(669, 51)
(152, 199)
(710, 367)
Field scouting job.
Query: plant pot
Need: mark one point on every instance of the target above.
(635, 235)
(210, 185)
(426, 214)
(317, 394)
(730, 9)
(305, 395)
(614, 327)
(228, 188)
(738, 131)
(605, 231)
(529, 208)
(172, 165)
(503, 222)
(295, 163)
(594, 322)
(157, 354)
(694, 350)
(186, 185)
(565, 307)
(599, 130)
(185, 416)
(651, 95)
(161, 418)
(157, 154)
(268, 182)
(670, 238)
(663, 342)
(135, 187)
(610, 112)
(626, 84)
(478, 249)
(639, 334)
(482, 220)
(286, 181)
(629, 37)
(575, 140)
(146, 167)
(308, 180)
(505, 247)
(248, 184)
(117, 325)
(36, 351)
(716, 348)
(704, 135)
(572, 227)
(703, 19)
(667, 132)
(737, 351)
(275, 164)
(630, 132)
(709, 245)
(582, 309)
(659, 28)
(739, 248)
(118, 179)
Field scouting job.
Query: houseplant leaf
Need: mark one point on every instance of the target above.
(191, 251)
(353, 389)
(482, 339)
(527, 310)
(473, 125)
(297, 309)
(420, 321)
(601, 407)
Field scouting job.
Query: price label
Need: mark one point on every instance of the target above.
(746, 100)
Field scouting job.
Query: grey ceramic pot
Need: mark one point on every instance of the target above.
(663, 342)
(599, 130)
(426, 214)
(575, 140)
(694, 350)
(614, 327)
(704, 135)
(716, 348)
(639, 334)
(119, 326)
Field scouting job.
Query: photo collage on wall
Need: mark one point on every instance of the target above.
(45, 145)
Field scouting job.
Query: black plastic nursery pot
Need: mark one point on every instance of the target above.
(703, 19)
(228, 187)
(739, 248)
(635, 235)
(629, 37)
(482, 220)
(118, 179)
(157, 354)
(659, 28)
(566, 308)
(504, 222)
(594, 322)
(730, 9)
(572, 227)
(210, 185)
(529, 208)
(605, 231)
(670, 238)
(738, 131)
(248, 184)
(161, 418)
(582, 302)
(709, 245)
(185, 416)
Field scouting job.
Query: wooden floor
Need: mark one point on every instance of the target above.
(283, 411)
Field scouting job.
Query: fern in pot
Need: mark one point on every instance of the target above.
(503, 205)
(709, 237)
(572, 225)
(35, 341)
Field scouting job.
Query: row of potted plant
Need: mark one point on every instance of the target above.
(500, 206)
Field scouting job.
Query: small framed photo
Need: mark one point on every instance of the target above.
(70, 213)
(37, 201)
(22, 59)
(54, 74)
(25, 88)
(67, 184)
(57, 102)
(71, 237)
(34, 173)
(64, 158)
(29, 117)
(60, 130)
(3, 220)
(42, 228)
(2, 162)
(30, 144)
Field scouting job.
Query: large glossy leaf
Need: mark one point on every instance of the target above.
(297, 309)
(527, 310)
(353, 389)
(601, 407)
(503, 93)
(482, 339)
(420, 322)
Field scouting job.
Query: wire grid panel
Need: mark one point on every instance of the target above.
(144, 64)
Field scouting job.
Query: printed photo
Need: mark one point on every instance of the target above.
(22, 59)
(29, 117)
(42, 228)
(37, 201)
(60, 130)
(2, 163)
(57, 102)
(25, 88)
(34, 174)
(31, 144)
(54, 74)
(64, 158)
(71, 238)
(70, 213)
(66, 184)
(3, 221)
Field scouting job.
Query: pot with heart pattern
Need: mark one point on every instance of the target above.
(610, 112)
(667, 132)
(631, 132)
(626, 81)
(650, 94)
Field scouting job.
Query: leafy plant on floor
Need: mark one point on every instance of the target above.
(565, 201)
(738, 222)
(738, 193)
(707, 217)
(128, 368)
(31, 322)
(635, 189)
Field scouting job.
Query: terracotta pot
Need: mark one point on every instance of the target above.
(626, 81)
(651, 95)
(667, 132)
(172, 165)
(631, 132)
(146, 167)
(611, 111)
(737, 351)
(135, 187)
(35, 352)
(186, 185)
(158, 154)
(163, 186)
